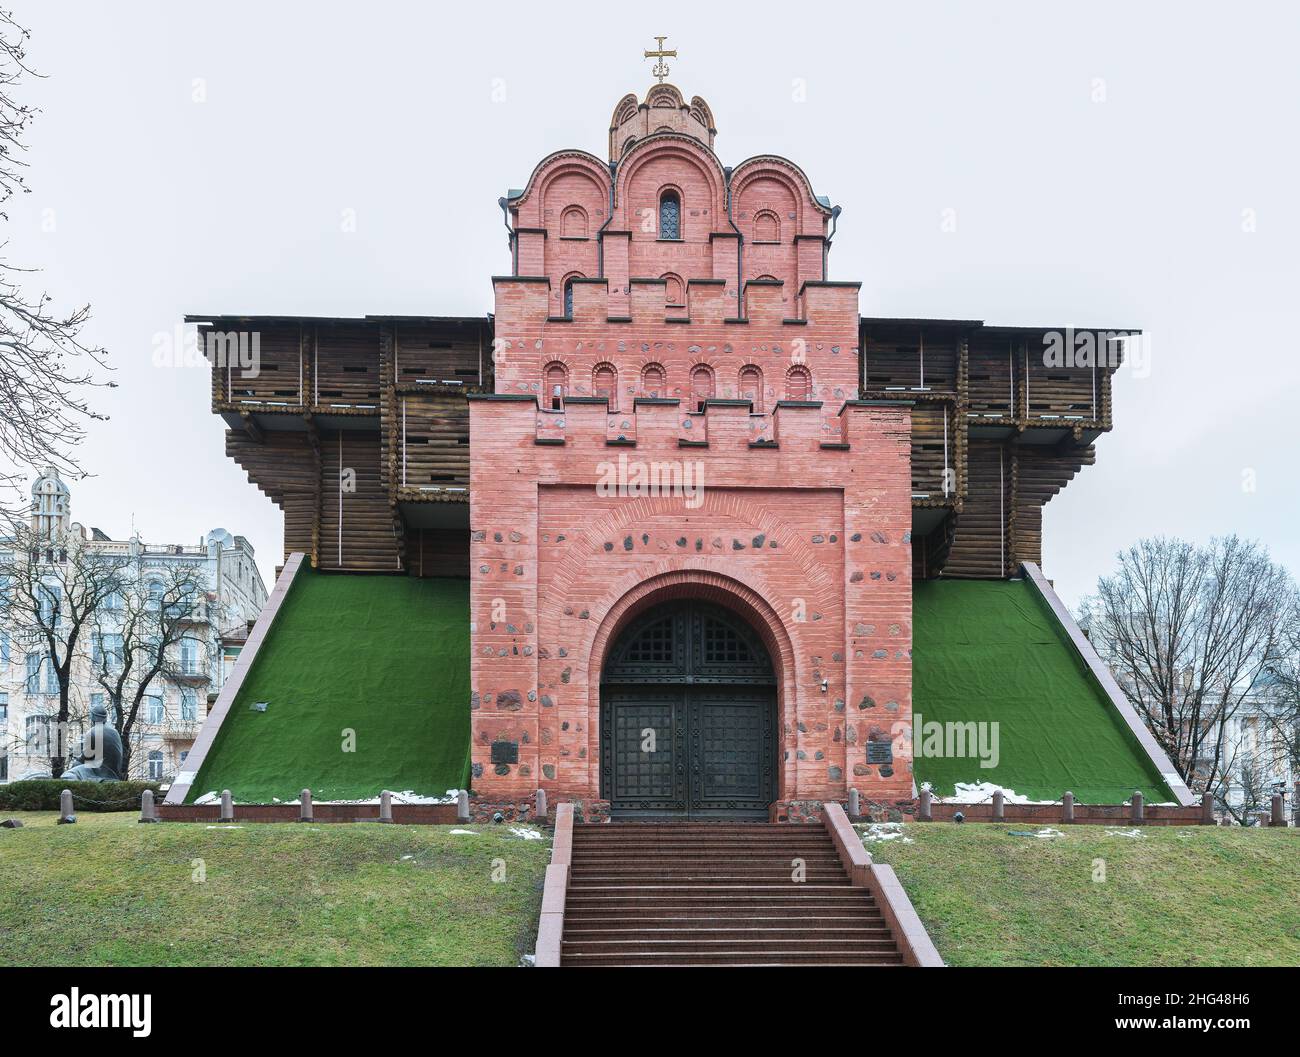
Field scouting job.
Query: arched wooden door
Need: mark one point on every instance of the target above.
(688, 717)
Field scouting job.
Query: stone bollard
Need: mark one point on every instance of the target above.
(1276, 817)
(66, 816)
(227, 807)
(999, 805)
(541, 805)
(148, 812)
(462, 806)
(1067, 807)
(1295, 806)
(1137, 805)
(385, 806)
(855, 804)
(1207, 808)
(925, 805)
(304, 806)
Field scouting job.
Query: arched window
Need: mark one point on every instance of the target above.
(751, 386)
(604, 382)
(767, 226)
(798, 384)
(556, 381)
(652, 380)
(670, 215)
(573, 223)
(674, 289)
(568, 298)
(701, 386)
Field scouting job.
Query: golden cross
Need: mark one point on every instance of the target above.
(660, 68)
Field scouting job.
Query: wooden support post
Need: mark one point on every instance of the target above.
(304, 812)
(385, 806)
(1207, 808)
(227, 807)
(1067, 807)
(1137, 805)
(999, 805)
(148, 813)
(924, 807)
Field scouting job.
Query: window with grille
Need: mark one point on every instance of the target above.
(653, 646)
(670, 216)
(723, 644)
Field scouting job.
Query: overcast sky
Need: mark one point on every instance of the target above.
(1125, 165)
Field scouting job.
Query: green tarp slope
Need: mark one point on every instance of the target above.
(991, 651)
(386, 657)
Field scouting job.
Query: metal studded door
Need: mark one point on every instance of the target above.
(688, 717)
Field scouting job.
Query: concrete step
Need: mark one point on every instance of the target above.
(732, 957)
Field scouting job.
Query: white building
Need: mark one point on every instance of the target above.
(175, 706)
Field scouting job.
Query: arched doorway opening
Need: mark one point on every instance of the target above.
(688, 723)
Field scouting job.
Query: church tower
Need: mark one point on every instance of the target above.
(690, 540)
(50, 506)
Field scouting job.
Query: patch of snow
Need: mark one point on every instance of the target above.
(982, 792)
(527, 961)
(876, 832)
(464, 832)
(526, 833)
(407, 796)
(208, 798)
(1134, 833)
(1047, 833)
(224, 827)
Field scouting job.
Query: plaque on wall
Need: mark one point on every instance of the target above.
(505, 752)
(880, 752)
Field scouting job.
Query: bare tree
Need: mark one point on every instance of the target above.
(140, 639)
(53, 593)
(1189, 631)
(45, 364)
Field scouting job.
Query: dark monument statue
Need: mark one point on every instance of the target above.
(99, 757)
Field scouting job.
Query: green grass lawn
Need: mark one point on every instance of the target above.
(384, 657)
(109, 891)
(1172, 896)
(991, 652)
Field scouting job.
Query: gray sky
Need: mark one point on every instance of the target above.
(1106, 165)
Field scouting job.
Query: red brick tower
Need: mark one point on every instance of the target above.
(690, 543)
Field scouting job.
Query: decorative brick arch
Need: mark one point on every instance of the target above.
(705, 585)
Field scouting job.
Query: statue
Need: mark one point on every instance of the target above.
(99, 756)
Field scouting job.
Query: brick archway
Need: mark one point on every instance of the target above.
(731, 594)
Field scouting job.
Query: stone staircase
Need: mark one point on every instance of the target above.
(679, 894)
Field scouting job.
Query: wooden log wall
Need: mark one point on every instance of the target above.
(979, 547)
(356, 526)
(284, 467)
(998, 381)
(279, 378)
(933, 435)
(347, 366)
(437, 552)
(426, 353)
(434, 441)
